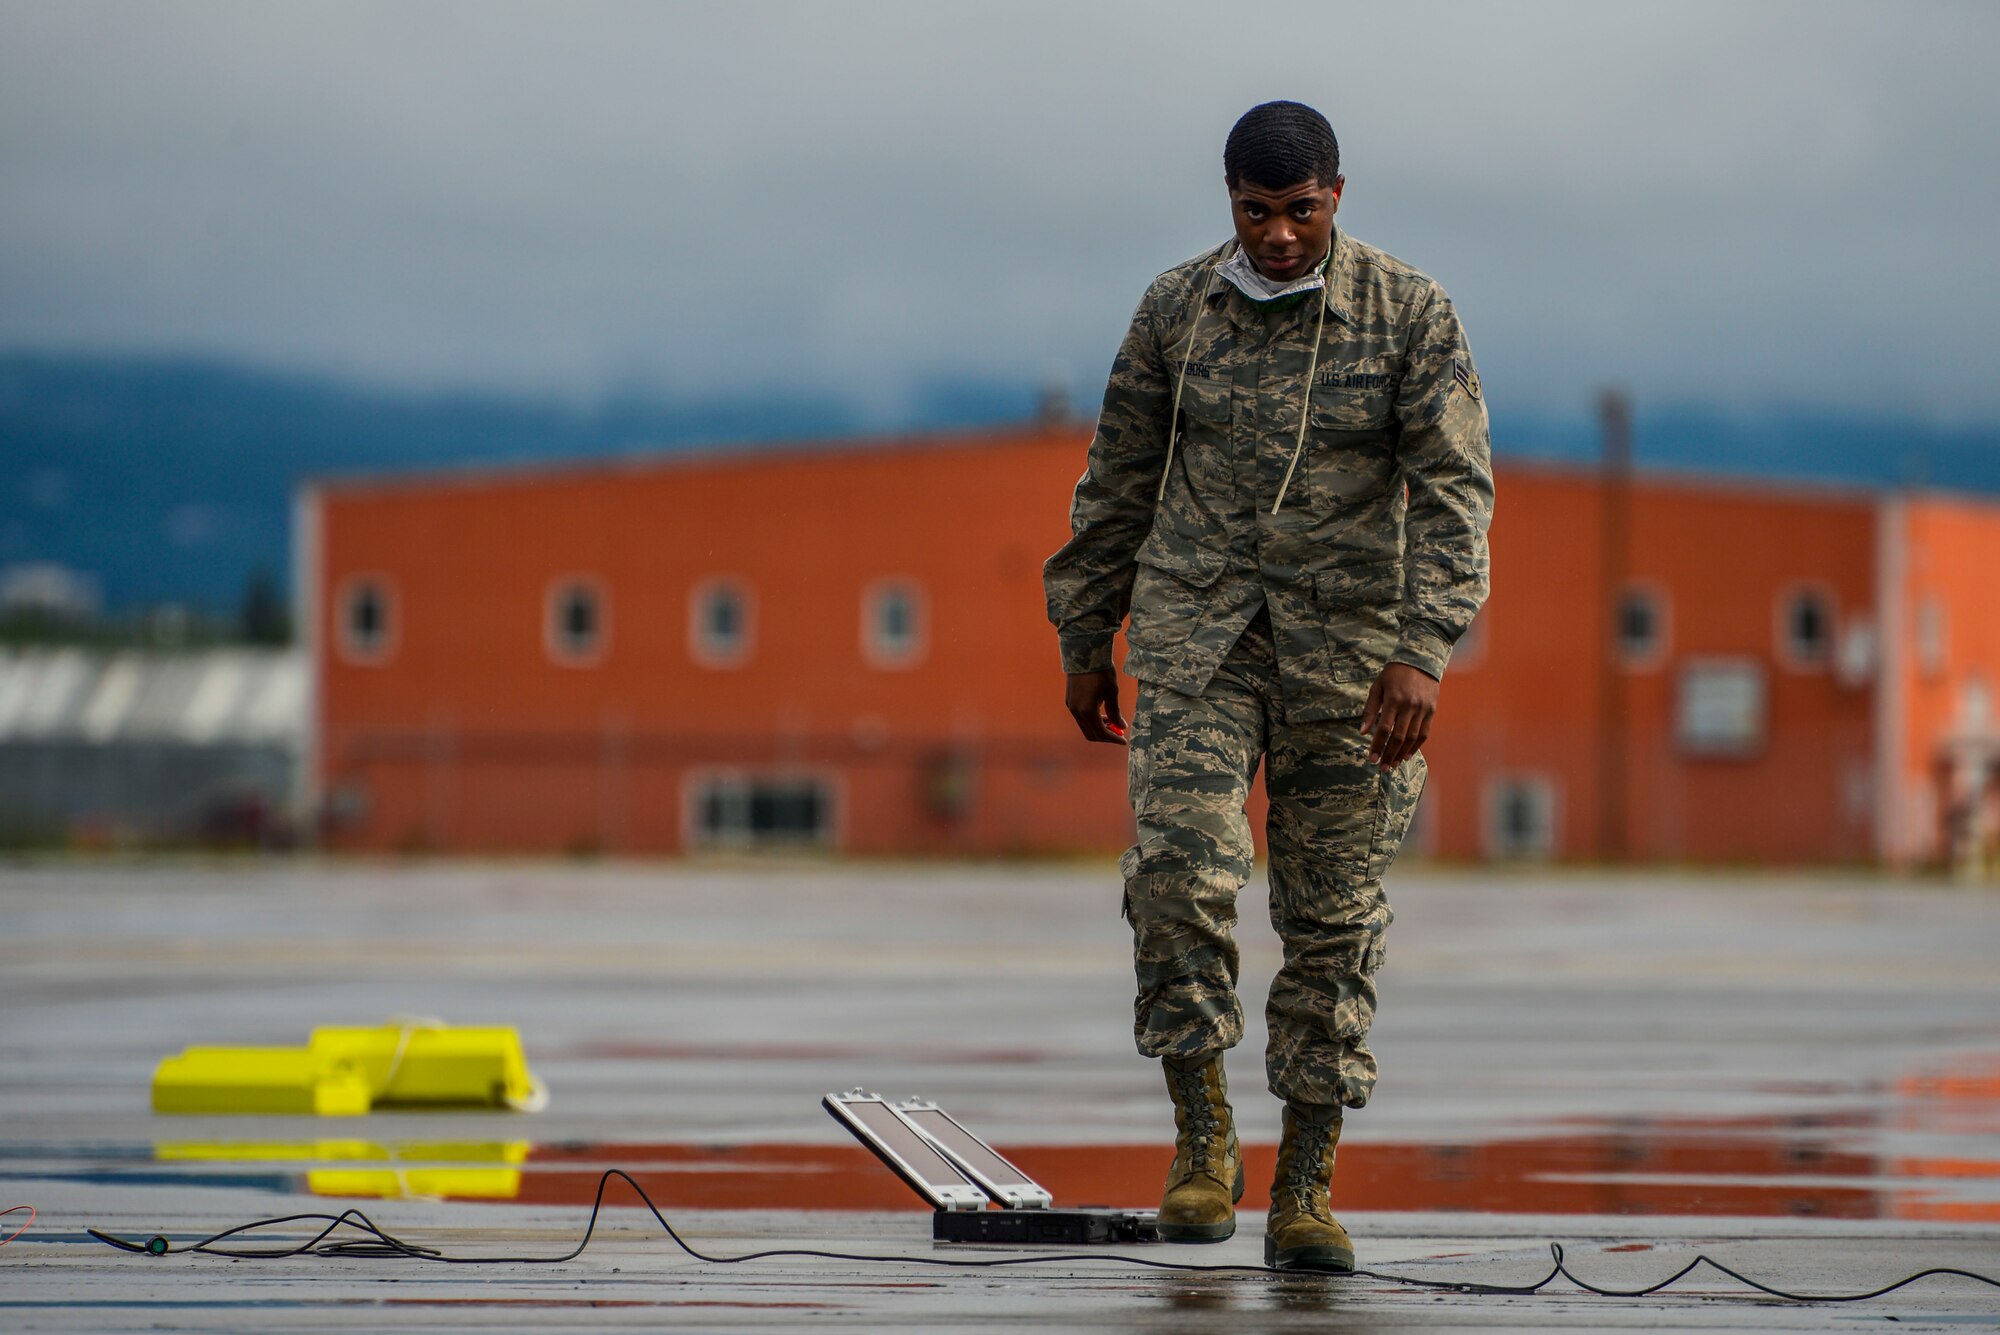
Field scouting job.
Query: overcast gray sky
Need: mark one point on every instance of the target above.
(1713, 201)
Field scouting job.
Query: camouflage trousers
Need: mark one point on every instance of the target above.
(1336, 823)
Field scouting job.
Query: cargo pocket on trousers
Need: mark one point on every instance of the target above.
(1402, 788)
(1129, 860)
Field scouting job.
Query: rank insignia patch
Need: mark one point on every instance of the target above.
(1467, 378)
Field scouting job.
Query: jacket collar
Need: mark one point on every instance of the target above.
(1340, 277)
(1338, 292)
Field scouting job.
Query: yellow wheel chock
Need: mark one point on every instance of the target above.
(346, 1071)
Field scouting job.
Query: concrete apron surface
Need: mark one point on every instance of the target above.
(1798, 1076)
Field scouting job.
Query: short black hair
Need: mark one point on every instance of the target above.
(1281, 144)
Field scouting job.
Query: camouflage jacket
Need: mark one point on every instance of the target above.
(1376, 551)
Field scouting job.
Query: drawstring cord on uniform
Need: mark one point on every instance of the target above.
(1305, 408)
(1180, 383)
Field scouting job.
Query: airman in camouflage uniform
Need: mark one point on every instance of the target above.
(1289, 497)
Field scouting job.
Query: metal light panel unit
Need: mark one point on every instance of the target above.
(974, 1157)
(1086, 1227)
(924, 1145)
(907, 1153)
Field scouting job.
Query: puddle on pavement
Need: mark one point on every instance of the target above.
(1798, 1167)
(413, 1170)
(1927, 1149)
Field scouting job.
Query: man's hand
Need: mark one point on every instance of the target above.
(1092, 700)
(1397, 718)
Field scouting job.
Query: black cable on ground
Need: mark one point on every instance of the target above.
(378, 1244)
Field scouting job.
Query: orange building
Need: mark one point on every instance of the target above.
(844, 646)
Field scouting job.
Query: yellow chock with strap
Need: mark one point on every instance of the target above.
(427, 1063)
(256, 1080)
(409, 1062)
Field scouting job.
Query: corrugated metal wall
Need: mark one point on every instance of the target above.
(148, 745)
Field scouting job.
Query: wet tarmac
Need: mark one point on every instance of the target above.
(1799, 1076)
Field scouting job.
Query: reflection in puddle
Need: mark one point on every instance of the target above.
(1944, 1128)
(1928, 1150)
(1848, 1167)
(1193, 1293)
(420, 1170)
(1319, 1294)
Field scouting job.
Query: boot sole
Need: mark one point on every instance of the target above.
(1331, 1260)
(1205, 1232)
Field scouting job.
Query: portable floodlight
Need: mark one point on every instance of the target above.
(975, 1158)
(955, 1171)
(905, 1150)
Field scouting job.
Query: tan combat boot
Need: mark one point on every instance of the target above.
(1206, 1179)
(1302, 1233)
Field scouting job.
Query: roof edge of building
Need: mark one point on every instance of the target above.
(786, 450)
(1768, 486)
(665, 458)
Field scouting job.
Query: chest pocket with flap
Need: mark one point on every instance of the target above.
(1204, 448)
(1360, 396)
(1351, 445)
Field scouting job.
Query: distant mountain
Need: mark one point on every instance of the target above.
(170, 479)
(1774, 442)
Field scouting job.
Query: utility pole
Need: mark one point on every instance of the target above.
(1615, 420)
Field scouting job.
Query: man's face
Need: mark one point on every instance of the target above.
(1285, 232)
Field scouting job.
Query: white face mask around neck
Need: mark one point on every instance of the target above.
(1241, 274)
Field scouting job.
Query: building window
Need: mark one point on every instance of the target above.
(1805, 628)
(1975, 705)
(892, 624)
(1521, 816)
(1854, 660)
(575, 631)
(1641, 631)
(367, 613)
(1720, 710)
(748, 811)
(719, 623)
